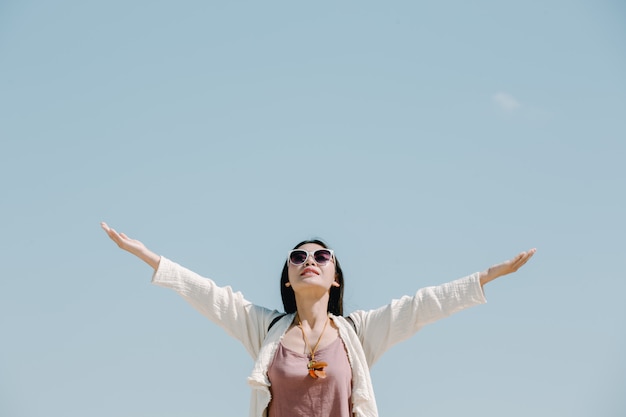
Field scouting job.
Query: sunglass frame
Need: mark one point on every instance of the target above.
(311, 254)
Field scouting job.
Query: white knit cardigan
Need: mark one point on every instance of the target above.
(376, 330)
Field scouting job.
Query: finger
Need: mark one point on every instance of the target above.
(105, 227)
(516, 260)
(522, 258)
(528, 255)
(114, 235)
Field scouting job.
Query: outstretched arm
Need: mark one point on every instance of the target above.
(133, 246)
(241, 319)
(505, 268)
(380, 329)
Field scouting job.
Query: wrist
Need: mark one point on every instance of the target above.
(150, 258)
(486, 276)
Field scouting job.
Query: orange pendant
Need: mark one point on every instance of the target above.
(316, 369)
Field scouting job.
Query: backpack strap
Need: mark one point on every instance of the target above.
(351, 322)
(275, 320)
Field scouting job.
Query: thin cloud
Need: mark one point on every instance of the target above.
(506, 101)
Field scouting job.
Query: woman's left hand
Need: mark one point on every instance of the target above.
(507, 267)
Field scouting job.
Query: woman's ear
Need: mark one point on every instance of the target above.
(336, 284)
(287, 284)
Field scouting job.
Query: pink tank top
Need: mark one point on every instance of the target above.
(296, 394)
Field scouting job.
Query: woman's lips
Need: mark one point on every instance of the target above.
(309, 271)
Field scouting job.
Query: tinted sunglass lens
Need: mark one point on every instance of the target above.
(298, 257)
(322, 256)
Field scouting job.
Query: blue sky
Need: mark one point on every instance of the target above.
(422, 141)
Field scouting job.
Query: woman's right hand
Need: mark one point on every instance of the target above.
(133, 246)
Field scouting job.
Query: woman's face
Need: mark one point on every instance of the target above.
(311, 275)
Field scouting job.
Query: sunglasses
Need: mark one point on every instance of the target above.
(320, 256)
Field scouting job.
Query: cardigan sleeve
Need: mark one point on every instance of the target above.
(382, 328)
(240, 318)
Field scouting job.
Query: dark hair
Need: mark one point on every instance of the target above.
(335, 302)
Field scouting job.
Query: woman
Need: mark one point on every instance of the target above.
(312, 361)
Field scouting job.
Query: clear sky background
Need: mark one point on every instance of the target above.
(423, 140)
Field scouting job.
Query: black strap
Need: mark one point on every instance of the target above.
(275, 320)
(351, 322)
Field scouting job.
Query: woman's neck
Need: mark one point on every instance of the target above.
(312, 312)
